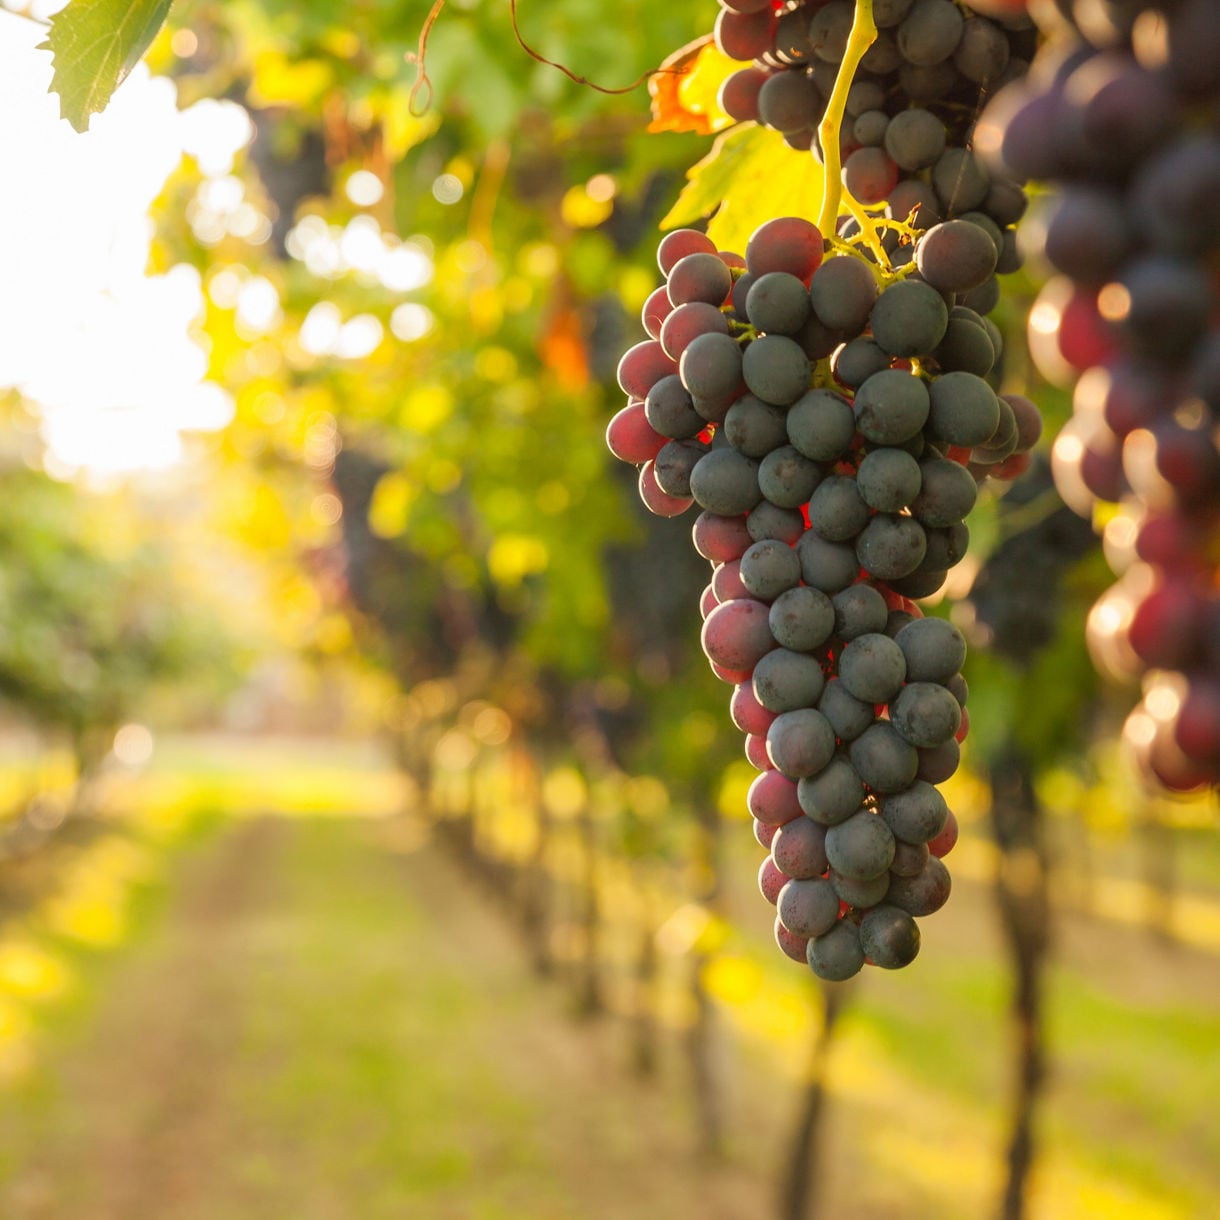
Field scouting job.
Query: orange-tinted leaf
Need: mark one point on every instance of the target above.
(563, 349)
(684, 89)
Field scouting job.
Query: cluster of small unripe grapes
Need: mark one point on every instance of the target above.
(1121, 115)
(833, 423)
(910, 109)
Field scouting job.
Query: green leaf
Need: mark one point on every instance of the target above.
(749, 176)
(95, 44)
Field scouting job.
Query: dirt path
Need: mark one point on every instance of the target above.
(299, 1040)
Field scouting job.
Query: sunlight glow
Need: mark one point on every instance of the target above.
(103, 350)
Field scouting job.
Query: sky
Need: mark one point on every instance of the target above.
(103, 349)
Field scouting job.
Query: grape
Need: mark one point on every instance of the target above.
(642, 366)
(1173, 193)
(771, 521)
(859, 610)
(747, 713)
(947, 493)
(756, 751)
(909, 859)
(829, 30)
(912, 195)
(1029, 421)
(699, 277)
(857, 360)
(808, 907)
(889, 936)
(710, 366)
(631, 438)
(944, 842)
(725, 482)
(755, 427)
(736, 635)
(799, 743)
(1087, 234)
(720, 539)
(946, 547)
(655, 499)
(678, 244)
(955, 256)
(785, 680)
(656, 309)
(870, 175)
(792, 38)
(915, 139)
(888, 479)
(787, 243)
(842, 292)
(956, 686)
(861, 847)
(687, 322)
(859, 894)
(789, 101)
(923, 894)
(960, 180)
(982, 299)
(793, 946)
(930, 33)
(934, 649)
(939, 763)
(768, 568)
(778, 303)
(786, 477)
(869, 130)
(836, 955)
(673, 465)
(872, 668)
(739, 92)
(909, 318)
(828, 566)
(770, 880)
(925, 714)
(966, 347)
(776, 368)
(848, 716)
(890, 407)
(963, 410)
(884, 761)
(890, 546)
(915, 815)
(833, 794)
(772, 798)
(744, 36)
(799, 849)
(1170, 300)
(821, 425)
(801, 618)
(888, 13)
(763, 833)
(726, 582)
(836, 511)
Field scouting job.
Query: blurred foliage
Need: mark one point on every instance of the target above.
(93, 621)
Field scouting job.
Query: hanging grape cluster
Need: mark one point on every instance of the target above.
(1121, 115)
(910, 109)
(833, 423)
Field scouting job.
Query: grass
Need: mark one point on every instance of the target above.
(317, 1017)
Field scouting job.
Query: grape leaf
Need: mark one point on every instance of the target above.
(749, 176)
(95, 44)
(685, 89)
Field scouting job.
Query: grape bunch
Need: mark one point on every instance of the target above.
(833, 424)
(1121, 115)
(910, 109)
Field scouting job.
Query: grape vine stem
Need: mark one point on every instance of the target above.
(863, 35)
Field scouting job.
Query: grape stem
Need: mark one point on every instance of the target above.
(863, 35)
